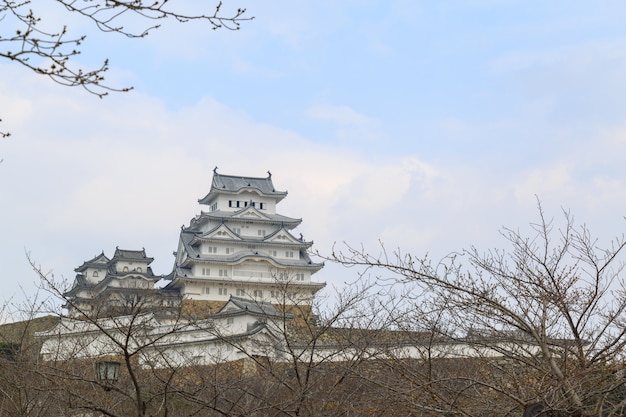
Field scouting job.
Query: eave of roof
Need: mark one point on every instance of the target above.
(270, 218)
(233, 184)
(248, 306)
(239, 257)
(179, 278)
(98, 261)
(131, 255)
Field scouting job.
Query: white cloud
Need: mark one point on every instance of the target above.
(84, 175)
(81, 175)
(338, 114)
(551, 180)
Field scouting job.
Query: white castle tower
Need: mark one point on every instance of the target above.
(117, 286)
(242, 247)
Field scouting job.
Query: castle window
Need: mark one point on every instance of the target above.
(289, 254)
(223, 291)
(139, 269)
(125, 269)
(261, 206)
(206, 271)
(212, 249)
(299, 277)
(261, 232)
(240, 292)
(230, 320)
(258, 293)
(223, 272)
(95, 274)
(230, 203)
(206, 290)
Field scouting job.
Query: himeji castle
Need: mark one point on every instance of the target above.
(117, 286)
(240, 273)
(243, 247)
(239, 247)
(241, 288)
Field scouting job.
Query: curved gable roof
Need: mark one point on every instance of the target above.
(234, 184)
(131, 255)
(99, 261)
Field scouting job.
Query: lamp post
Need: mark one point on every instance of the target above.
(107, 373)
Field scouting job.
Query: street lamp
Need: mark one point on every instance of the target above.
(107, 372)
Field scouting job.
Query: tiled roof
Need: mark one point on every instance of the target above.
(234, 183)
(101, 261)
(251, 306)
(193, 254)
(98, 261)
(273, 218)
(131, 254)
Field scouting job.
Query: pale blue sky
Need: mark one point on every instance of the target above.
(427, 124)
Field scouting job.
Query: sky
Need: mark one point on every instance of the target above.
(426, 125)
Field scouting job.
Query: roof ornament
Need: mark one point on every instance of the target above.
(301, 237)
(215, 169)
(269, 174)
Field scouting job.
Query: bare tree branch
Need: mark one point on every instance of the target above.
(552, 306)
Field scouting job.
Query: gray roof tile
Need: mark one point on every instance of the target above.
(233, 184)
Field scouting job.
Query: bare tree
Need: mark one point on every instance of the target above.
(27, 39)
(543, 321)
(29, 42)
(309, 367)
(22, 391)
(127, 336)
(300, 364)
